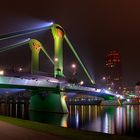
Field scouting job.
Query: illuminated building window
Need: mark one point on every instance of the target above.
(116, 79)
(112, 65)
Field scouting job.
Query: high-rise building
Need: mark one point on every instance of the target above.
(113, 71)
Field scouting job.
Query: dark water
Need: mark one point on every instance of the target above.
(123, 120)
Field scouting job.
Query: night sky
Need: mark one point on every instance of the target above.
(93, 26)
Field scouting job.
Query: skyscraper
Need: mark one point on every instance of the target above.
(113, 71)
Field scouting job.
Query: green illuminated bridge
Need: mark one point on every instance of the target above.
(54, 99)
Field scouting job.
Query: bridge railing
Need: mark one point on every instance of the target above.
(87, 89)
(24, 81)
(82, 88)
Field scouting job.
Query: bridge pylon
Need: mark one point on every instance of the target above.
(52, 102)
(58, 36)
(35, 47)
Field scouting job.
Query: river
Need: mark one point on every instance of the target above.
(124, 120)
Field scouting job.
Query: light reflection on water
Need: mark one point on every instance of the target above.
(107, 119)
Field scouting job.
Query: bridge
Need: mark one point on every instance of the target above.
(47, 92)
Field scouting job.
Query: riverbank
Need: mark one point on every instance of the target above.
(55, 132)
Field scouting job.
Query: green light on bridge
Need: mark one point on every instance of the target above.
(58, 35)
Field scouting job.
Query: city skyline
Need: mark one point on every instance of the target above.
(111, 25)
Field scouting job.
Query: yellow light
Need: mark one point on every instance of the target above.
(56, 59)
(1, 72)
(64, 97)
(81, 82)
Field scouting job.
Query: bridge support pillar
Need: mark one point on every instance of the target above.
(35, 46)
(50, 102)
(58, 35)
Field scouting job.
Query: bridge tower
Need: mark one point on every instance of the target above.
(52, 101)
(58, 35)
(35, 47)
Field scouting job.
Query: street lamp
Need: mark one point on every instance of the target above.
(103, 82)
(104, 78)
(20, 69)
(81, 83)
(74, 68)
(58, 70)
(1, 72)
(56, 59)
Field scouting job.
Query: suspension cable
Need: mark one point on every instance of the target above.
(9, 47)
(25, 32)
(78, 58)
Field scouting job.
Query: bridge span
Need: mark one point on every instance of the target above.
(31, 82)
(47, 92)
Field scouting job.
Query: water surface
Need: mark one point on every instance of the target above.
(124, 120)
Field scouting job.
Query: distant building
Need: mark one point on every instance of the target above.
(113, 72)
(137, 89)
(127, 91)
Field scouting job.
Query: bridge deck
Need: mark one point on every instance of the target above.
(49, 84)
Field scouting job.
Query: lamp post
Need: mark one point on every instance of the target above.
(74, 68)
(57, 69)
(103, 82)
(74, 80)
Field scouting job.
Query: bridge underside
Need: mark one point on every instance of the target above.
(50, 102)
(101, 94)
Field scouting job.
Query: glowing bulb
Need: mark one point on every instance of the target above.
(1, 72)
(81, 82)
(20, 69)
(73, 66)
(56, 59)
(103, 78)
